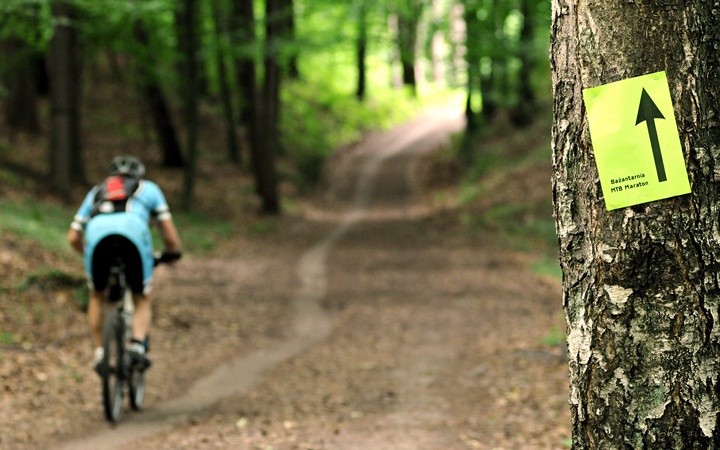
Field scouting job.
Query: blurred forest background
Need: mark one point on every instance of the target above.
(264, 89)
(237, 108)
(235, 105)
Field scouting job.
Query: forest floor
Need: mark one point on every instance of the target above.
(370, 317)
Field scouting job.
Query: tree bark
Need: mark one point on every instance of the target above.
(290, 23)
(225, 91)
(361, 45)
(191, 84)
(153, 95)
(66, 164)
(640, 286)
(269, 109)
(408, 18)
(19, 72)
(243, 32)
(526, 104)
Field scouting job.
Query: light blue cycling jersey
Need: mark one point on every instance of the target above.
(146, 204)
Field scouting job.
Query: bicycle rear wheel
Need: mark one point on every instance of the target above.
(112, 368)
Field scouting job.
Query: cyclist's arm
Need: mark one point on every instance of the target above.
(75, 238)
(75, 234)
(169, 235)
(160, 213)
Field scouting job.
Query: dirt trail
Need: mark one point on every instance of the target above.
(310, 322)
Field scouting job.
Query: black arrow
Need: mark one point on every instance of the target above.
(648, 112)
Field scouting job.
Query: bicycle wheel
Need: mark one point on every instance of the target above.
(112, 367)
(136, 385)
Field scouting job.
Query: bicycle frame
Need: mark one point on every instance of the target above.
(117, 331)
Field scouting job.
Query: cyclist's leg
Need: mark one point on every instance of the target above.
(96, 305)
(98, 273)
(142, 317)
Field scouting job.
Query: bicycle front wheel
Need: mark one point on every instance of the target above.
(112, 368)
(136, 385)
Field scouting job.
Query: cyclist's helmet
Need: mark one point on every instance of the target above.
(127, 165)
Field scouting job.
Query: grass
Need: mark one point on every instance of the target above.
(199, 233)
(7, 338)
(40, 222)
(555, 338)
(525, 226)
(47, 225)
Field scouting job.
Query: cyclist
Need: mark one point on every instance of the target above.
(114, 221)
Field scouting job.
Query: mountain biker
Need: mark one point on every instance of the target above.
(114, 220)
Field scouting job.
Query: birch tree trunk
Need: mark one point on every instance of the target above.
(641, 285)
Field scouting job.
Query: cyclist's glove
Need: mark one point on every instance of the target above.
(167, 257)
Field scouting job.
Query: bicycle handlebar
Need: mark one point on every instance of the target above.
(167, 257)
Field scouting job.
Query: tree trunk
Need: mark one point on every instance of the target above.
(525, 107)
(19, 72)
(243, 31)
(409, 14)
(66, 164)
(361, 45)
(492, 53)
(473, 44)
(269, 109)
(191, 83)
(225, 92)
(289, 13)
(640, 286)
(162, 120)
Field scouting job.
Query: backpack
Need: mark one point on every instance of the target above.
(113, 194)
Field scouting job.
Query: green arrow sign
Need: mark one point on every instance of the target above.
(636, 164)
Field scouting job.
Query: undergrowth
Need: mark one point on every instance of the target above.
(524, 222)
(327, 117)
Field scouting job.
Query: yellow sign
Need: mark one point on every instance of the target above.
(635, 140)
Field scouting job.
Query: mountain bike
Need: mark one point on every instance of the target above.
(117, 369)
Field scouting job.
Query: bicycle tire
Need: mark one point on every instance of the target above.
(136, 386)
(112, 368)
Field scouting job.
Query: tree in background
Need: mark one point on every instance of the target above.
(243, 59)
(640, 285)
(276, 30)
(189, 42)
(149, 85)
(524, 110)
(20, 77)
(408, 14)
(222, 50)
(244, 42)
(66, 162)
(361, 47)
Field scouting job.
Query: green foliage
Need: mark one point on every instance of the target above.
(28, 20)
(526, 226)
(319, 117)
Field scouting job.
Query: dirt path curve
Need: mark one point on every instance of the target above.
(310, 322)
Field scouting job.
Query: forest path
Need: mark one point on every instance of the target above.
(386, 162)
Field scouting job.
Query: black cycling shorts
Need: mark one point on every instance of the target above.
(107, 252)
